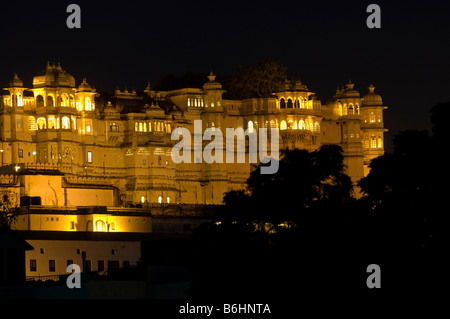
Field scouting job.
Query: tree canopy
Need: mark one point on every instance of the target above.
(258, 81)
(305, 181)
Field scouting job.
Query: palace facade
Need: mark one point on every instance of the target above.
(65, 144)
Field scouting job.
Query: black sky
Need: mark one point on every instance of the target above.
(128, 43)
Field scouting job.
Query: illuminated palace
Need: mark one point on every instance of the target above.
(68, 145)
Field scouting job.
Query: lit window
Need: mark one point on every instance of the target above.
(316, 127)
(89, 157)
(88, 129)
(189, 102)
(344, 109)
(283, 125)
(142, 199)
(113, 127)
(65, 123)
(87, 104)
(373, 142)
(168, 200)
(19, 99)
(64, 99)
(380, 142)
(301, 125)
(42, 123)
(136, 126)
(140, 127)
(19, 122)
(32, 123)
(160, 199)
(51, 123)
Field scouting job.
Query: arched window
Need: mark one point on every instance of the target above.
(19, 99)
(41, 123)
(250, 126)
(366, 142)
(65, 123)
(189, 102)
(310, 124)
(71, 101)
(357, 108)
(301, 125)
(295, 125)
(297, 104)
(51, 123)
(141, 129)
(50, 101)
(380, 142)
(372, 117)
(289, 104)
(100, 225)
(350, 109)
(87, 104)
(65, 100)
(32, 123)
(344, 109)
(160, 199)
(89, 226)
(373, 141)
(290, 124)
(39, 101)
(283, 125)
(316, 127)
(282, 103)
(113, 127)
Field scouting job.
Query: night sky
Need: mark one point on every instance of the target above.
(325, 44)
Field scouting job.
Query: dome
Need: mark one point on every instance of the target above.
(84, 86)
(110, 110)
(15, 81)
(53, 76)
(372, 98)
(212, 84)
(349, 90)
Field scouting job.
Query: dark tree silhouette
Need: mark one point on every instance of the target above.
(258, 81)
(250, 250)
